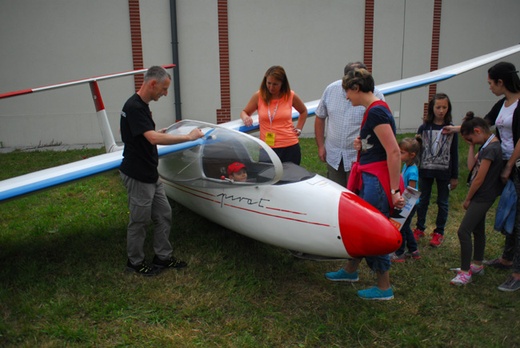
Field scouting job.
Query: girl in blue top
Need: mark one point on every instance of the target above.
(410, 149)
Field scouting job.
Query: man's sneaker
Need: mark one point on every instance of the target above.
(414, 255)
(142, 269)
(462, 278)
(511, 284)
(476, 270)
(172, 262)
(342, 276)
(496, 263)
(436, 240)
(397, 258)
(418, 234)
(375, 293)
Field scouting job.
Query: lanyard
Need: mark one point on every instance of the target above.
(271, 117)
(472, 173)
(487, 142)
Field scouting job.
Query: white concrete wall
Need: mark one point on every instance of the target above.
(402, 48)
(198, 59)
(471, 28)
(312, 40)
(46, 42)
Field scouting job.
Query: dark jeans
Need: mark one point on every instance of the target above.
(408, 237)
(443, 195)
(512, 243)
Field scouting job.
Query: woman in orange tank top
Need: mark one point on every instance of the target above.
(274, 102)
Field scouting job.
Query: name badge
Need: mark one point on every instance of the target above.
(269, 138)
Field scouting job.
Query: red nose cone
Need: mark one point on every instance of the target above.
(364, 230)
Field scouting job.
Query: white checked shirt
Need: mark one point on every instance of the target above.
(343, 124)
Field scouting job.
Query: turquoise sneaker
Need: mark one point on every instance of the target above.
(342, 276)
(375, 293)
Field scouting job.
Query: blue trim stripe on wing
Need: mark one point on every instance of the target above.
(59, 180)
(79, 173)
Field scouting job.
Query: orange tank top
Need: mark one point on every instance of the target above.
(277, 118)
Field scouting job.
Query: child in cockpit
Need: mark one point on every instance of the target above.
(237, 172)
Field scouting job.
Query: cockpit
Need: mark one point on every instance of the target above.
(205, 164)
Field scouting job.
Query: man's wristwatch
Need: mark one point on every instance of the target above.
(393, 192)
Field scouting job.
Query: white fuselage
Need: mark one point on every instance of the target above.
(314, 216)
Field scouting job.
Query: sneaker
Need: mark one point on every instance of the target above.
(496, 263)
(172, 262)
(476, 270)
(374, 293)
(418, 234)
(142, 269)
(414, 255)
(342, 276)
(462, 278)
(397, 258)
(511, 284)
(436, 240)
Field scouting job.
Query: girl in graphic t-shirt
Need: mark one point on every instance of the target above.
(440, 163)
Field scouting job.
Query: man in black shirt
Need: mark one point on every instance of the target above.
(147, 199)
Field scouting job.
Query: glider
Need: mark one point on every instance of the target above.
(281, 204)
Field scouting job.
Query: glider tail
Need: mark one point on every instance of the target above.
(104, 125)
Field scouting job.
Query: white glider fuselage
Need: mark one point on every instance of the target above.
(292, 216)
(314, 216)
(280, 204)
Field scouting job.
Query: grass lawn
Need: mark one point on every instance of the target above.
(62, 281)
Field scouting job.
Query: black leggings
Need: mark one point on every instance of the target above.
(473, 223)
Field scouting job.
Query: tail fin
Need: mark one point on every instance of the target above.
(104, 125)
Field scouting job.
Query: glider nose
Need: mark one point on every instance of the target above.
(364, 230)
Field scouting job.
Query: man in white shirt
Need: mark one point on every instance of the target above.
(342, 121)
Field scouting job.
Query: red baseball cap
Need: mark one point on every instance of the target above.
(235, 167)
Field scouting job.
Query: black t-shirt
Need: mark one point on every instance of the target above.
(140, 157)
(439, 153)
(372, 149)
